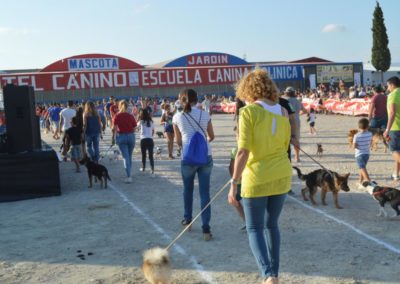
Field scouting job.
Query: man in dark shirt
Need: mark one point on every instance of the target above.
(377, 109)
(293, 140)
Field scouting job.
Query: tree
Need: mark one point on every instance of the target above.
(381, 58)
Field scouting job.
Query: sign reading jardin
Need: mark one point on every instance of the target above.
(86, 64)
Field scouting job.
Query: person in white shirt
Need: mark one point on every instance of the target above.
(66, 115)
(362, 145)
(146, 138)
(311, 121)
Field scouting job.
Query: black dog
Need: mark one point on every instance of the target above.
(383, 195)
(99, 171)
(327, 181)
(160, 134)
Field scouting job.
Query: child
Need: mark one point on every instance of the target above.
(146, 139)
(239, 206)
(311, 121)
(362, 145)
(73, 138)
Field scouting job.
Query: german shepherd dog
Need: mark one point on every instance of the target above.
(384, 195)
(327, 181)
(100, 172)
(377, 134)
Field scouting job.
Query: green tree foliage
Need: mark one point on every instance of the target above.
(381, 58)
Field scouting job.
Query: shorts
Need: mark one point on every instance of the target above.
(55, 124)
(394, 142)
(377, 122)
(312, 124)
(169, 128)
(362, 161)
(76, 152)
(238, 192)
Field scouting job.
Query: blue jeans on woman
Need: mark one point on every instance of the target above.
(126, 143)
(204, 175)
(92, 145)
(262, 214)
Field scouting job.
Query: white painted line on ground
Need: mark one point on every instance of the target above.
(199, 268)
(358, 231)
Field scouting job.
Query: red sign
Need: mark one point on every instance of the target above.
(145, 78)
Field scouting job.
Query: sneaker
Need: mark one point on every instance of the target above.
(207, 236)
(141, 169)
(128, 180)
(395, 177)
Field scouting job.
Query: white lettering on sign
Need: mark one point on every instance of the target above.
(80, 64)
(55, 84)
(9, 79)
(226, 75)
(217, 59)
(171, 77)
(283, 72)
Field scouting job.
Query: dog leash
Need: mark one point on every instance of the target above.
(315, 161)
(197, 216)
(106, 152)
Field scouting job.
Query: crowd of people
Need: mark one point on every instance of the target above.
(267, 124)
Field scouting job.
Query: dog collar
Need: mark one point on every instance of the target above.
(380, 192)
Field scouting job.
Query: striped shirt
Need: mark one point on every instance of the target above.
(188, 129)
(363, 141)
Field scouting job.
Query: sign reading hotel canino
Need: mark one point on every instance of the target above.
(96, 71)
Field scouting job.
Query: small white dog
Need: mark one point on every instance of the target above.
(156, 266)
(114, 156)
(158, 153)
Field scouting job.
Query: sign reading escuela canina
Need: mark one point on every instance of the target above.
(108, 71)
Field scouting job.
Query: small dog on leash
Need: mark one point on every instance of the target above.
(114, 157)
(158, 153)
(384, 195)
(327, 181)
(100, 172)
(179, 152)
(320, 150)
(160, 134)
(156, 266)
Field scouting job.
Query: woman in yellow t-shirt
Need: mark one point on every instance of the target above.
(263, 168)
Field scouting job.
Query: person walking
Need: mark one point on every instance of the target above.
(377, 114)
(290, 95)
(166, 121)
(146, 139)
(263, 168)
(392, 132)
(92, 131)
(124, 125)
(188, 123)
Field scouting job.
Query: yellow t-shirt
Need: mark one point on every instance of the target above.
(268, 170)
(394, 98)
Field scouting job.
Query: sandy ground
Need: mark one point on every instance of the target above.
(41, 238)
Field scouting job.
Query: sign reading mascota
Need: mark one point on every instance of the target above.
(84, 64)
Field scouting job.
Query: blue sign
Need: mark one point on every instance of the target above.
(206, 59)
(284, 72)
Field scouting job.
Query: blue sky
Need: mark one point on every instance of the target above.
(36, 33)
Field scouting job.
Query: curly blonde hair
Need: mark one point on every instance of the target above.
(256, 85)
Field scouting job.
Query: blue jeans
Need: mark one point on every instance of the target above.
(377, 122)
(262, 214)
(92, 145)
(126, 143)
(204, 175)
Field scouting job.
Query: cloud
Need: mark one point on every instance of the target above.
(14, 31)
(334, 28)
(138, 9)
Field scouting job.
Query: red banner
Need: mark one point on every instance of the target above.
(352, 107)
(143, 78)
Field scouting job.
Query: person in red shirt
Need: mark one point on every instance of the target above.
(377, 109)
(124, 125)
(113, 108)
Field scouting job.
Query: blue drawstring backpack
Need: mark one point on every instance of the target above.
(196, 152)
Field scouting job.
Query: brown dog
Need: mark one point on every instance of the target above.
(377, 134)
(156, 266)
(327, 181)
(320, 150)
